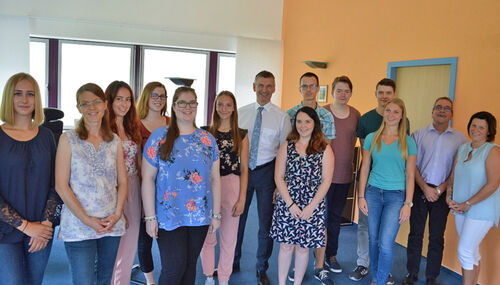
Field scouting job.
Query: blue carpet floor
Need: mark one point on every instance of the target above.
(57, 272)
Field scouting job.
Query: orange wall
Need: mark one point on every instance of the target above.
(359, 38)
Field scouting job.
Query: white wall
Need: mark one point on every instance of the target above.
(14, 47)
(253, 56)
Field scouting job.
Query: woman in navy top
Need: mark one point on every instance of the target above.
(386, 190)
(181, 189)
(28, 200)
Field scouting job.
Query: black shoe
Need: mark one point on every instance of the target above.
(236, 267)
(410, 279)
(358, 273)
(262, 278)
(431, 281)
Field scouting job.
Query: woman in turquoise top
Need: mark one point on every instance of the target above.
(181, 189)
(474, 196)
(386, 200)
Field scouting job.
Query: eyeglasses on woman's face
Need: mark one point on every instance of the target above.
(155, 96)
(85, 105)
(183, 104)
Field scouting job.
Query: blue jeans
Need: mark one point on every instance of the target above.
(19, 267)
(92, 259)
(260, 181)
(384, 207)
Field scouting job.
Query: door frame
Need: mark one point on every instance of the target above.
(452, 61)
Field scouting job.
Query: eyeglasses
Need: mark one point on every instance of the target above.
(157, 96)
(305, 86)
(88, 104)
(440, 108)
(184, 104)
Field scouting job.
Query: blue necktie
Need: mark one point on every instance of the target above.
(254, 146)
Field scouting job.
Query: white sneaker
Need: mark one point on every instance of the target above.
(210, 281)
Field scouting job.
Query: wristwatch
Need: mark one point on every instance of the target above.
(409, 204)
(217, 216)
(438, 190)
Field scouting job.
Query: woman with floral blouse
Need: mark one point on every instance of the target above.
(181, 189)
(91, 179)
(233, 146)
(124, 123)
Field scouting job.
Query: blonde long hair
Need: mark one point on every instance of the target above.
(216, 121)
(402, 130)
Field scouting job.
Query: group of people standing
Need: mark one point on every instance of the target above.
(129, 174)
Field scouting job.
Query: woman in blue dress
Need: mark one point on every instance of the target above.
(474, 195)
(181, 189)
(28, 200)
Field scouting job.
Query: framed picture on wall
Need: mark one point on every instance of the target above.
(323, 92)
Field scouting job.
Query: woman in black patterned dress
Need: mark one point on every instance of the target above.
(303, 175)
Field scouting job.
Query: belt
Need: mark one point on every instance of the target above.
(263, 165)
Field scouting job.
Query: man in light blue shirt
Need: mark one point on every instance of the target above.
(437, 146)
(268, 126)
(309, 88)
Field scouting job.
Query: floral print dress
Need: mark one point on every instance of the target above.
(183, 191)
(302, 177)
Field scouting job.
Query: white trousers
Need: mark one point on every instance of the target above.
(471, 233)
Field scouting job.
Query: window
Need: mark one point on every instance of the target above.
(226, 73)
(38, 66)
(82, 63)
(159, 64)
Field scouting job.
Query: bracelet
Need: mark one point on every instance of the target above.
(25, 226)
(150, 218)
(293, 203)
(217, 216)
(359, 197)
(468, 203)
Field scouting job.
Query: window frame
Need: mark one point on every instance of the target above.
(92, 43)
(173, 49)
(46, 83)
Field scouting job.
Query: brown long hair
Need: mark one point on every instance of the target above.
(173, 129)
(214, 126)
(130, 121)
(402, 127)
(142, 103)
(317, 143)
(81, 130)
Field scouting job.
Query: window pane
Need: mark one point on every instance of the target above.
(38, 67)
(84, 63)
(159, 64)
(226, 74)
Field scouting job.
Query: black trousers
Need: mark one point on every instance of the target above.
(335, 203)
(144, 245)
(438, 214)
(179, 251)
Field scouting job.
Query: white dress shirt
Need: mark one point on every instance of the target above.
(274, 130)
